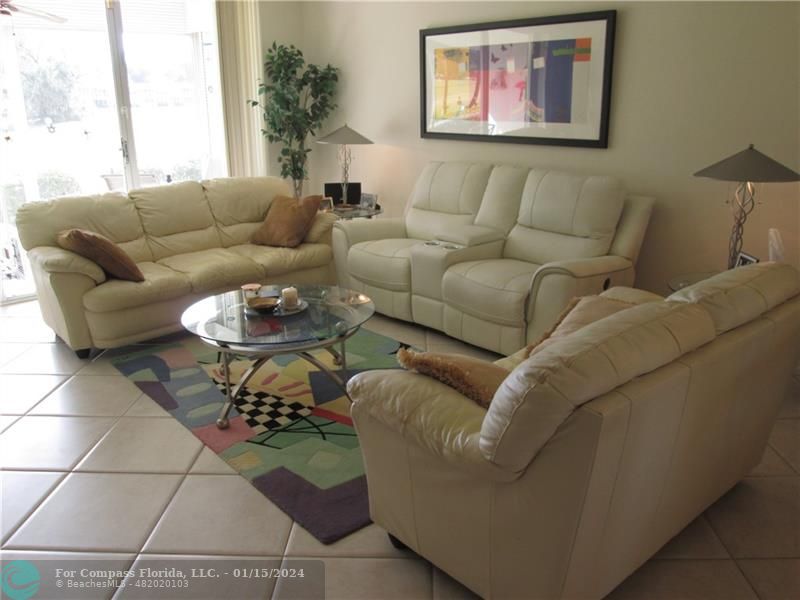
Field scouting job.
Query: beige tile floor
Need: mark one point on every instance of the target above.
(92, 468)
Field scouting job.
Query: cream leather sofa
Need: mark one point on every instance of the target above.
(595, 451)
(516, 245)
(191, 240)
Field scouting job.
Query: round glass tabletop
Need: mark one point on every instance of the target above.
(226, 320)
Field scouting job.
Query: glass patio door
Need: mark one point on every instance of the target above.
(58, 118)
(123, 94)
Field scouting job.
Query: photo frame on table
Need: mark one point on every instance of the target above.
(744, 259)
(544, 80)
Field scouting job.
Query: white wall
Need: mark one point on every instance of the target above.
(693, 83)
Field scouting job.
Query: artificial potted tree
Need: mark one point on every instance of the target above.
(295, 98)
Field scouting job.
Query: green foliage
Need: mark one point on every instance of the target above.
(53, 184)
(296, 98)
(48, 86)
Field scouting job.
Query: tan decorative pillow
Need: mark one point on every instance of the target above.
(288, 221)
(101, 250)
(580, 312)
(477, 379)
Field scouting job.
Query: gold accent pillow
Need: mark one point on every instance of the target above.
(101, 250)
(580, 312)
(477, 379)
(287, 222)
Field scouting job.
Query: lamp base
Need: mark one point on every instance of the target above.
(744, 201)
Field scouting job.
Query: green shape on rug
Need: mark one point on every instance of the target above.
(322, 463)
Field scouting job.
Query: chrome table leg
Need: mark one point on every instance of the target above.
(222, 420)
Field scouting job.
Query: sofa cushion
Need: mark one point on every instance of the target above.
(579, 313)
(99, 249)
(477, 379)
(276, 261)
(740, 295)
(625, 296)
(214, 269)
(542, 392)
(495, 290)
(160, 283)
(385, 264)
(447, 195)
(112, 215)
(176, 218)
(287, 222)
(563, 216)
(239, 204)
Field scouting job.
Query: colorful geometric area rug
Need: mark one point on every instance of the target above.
(290, 432)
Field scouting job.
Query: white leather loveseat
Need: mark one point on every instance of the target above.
(595, 451)
(515, 244)
(190, 240)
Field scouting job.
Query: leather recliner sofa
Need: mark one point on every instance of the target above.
(492, 254)
(190, 240)
(595, 451)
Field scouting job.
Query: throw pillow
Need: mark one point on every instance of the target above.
(477, 379)
(579, 312)
(287, 222)
(101, 250)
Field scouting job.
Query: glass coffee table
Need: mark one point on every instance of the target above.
(225, 322)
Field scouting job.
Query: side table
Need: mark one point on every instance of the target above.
(686, 279)
(356, 212)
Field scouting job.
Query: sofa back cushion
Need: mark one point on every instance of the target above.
(740, 295)
(240, 204)
(564, 216)
(544, 390)
(176, 218)
(500, 203)
(112, 215)
(447, 195)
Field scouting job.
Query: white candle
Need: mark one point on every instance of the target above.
(289, 297)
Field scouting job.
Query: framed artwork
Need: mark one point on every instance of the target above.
(743, 259)
(530, 81)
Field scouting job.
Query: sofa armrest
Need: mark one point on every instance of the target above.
(471, 235)
(364, 230)
(348, 233)
(427, 413)
(321, 228)
(555, 284)
(57, 260)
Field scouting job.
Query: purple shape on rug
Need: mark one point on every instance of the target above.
(328, 515)
(324, 389)
(157, 391)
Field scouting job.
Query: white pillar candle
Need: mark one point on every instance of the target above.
(289, 297)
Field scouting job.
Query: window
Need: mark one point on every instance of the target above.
(123, 94)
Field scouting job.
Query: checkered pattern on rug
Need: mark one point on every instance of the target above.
(263, 411)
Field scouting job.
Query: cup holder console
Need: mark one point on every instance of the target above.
(444, 245)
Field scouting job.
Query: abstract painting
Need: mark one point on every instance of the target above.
(539, 81)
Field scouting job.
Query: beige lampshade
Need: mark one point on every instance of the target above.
(346, 136)
(749, 165)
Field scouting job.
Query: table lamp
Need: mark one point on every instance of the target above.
(747, 167)
(344, 137)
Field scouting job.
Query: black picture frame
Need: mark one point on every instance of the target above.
(743, 259)
(593, 134)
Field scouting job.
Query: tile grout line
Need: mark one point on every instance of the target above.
(63, 479)
(59, 482)
(171, 499)
(730, 554)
